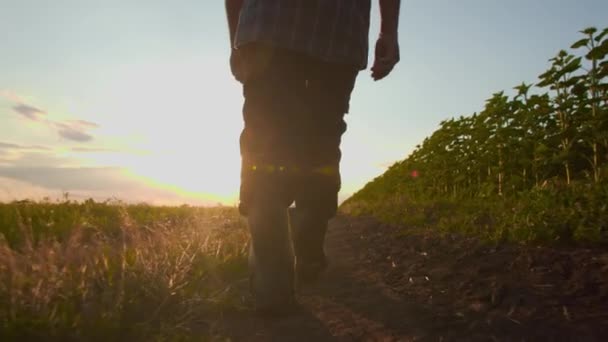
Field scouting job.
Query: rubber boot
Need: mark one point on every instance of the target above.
(271, 260)
(308, 235)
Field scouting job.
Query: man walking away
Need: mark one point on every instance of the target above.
(297, 61)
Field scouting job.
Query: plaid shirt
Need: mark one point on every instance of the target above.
(331, 30)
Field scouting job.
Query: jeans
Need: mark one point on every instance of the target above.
(293, 122)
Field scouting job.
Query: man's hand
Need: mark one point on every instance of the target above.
(387, 46)
(387, 55)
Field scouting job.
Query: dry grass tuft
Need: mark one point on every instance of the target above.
(149, 272)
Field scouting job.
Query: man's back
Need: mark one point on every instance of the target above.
(334, 31)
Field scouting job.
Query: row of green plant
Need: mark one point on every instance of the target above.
(576, 214)
(544, 148)
(108, 271)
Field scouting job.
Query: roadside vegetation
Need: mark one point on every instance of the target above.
(109, 271)
(530, 168)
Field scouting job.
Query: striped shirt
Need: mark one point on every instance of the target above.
(334, 31)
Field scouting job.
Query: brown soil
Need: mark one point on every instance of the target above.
(387, 286)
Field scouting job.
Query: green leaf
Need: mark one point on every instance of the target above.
(599, 52)
(589, 30)
(572, 66)
(547, 76)
(580, 43)
(562, 54)
(600, 36)
(523, 88)
(603, 87)
(579, 89)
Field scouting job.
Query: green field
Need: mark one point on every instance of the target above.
(110, 271)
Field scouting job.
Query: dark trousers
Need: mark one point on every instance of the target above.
(293, 114)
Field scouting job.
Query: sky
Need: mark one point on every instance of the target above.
(133, 100)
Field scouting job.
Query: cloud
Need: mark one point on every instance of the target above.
(74, 134)
(58, 174)
(4, 145)
(28, 159)
(30, 112)
(70, 178)
(10, 153)
(11, 146)
(83, 124)
(94, 149)
(31, 174)
(82, 183)
(75, 130)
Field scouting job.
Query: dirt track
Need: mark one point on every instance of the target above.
(384, 287)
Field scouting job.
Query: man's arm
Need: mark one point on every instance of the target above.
(387, 46)
(389, 12)
(233, 10)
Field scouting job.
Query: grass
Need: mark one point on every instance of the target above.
(575, 215)
(110, 271)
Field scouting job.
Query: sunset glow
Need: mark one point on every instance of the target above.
(135, 101)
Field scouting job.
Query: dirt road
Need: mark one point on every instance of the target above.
(386, 286)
